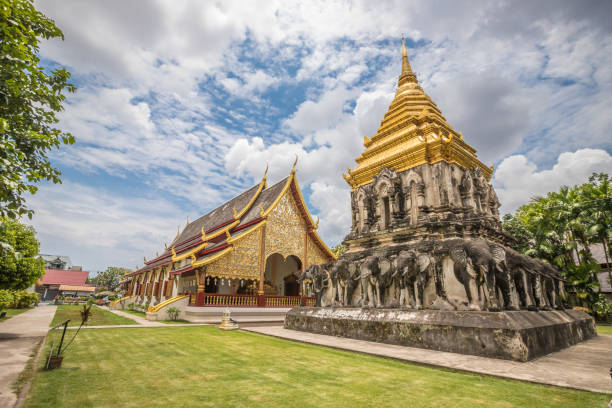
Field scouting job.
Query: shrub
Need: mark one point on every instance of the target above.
(131, 306)
(173, 313)
(6, 298)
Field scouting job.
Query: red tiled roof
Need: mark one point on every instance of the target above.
(64, 277)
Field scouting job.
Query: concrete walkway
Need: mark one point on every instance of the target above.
(585, 366)
(18, 337)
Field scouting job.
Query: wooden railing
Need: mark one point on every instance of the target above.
(283, 301)
(220, 300)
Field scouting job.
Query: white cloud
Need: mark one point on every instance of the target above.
(99, 228)
(534, 79)
(517, 179)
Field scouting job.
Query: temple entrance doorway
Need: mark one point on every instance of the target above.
(281, 275)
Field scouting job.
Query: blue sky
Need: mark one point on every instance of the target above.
(181, 104)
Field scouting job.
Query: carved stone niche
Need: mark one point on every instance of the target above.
(362, 214)
(414, 196)
(387, 199)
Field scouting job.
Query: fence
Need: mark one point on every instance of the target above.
(221, 300)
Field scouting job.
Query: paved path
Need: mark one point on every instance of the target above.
(585, 366)
(18, 337)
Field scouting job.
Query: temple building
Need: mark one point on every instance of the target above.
(247, 252)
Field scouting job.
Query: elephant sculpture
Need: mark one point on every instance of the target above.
(415, 271)
(519, 266)
(340, 277)
(536, 284)
(502, 278)
(552, 284)
(320, 284)
(388, 283)
(370, 285)
(466, 272)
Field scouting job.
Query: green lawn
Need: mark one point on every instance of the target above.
(135, 313)
(604, 329)
(177, 321)
(204, 366)
(99, 317)
(144, 315)
(13, 312)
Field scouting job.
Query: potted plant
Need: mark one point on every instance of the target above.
(56, 355)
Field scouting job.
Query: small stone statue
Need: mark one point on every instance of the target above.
(227, 323)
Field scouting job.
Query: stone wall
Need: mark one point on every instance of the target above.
(519, 335)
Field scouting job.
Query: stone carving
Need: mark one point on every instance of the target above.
(415, 271)
(340, 276)
(491, 277)
(502, 278)
(432, 229)
(321, 283)
(369, 279)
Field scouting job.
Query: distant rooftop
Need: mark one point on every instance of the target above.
(64, 277)
(57, 261)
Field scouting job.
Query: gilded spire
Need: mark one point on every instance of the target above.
(413, 132)
(407, 76)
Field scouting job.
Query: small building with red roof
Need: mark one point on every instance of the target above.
(63, 281)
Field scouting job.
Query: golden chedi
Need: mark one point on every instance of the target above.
(417, 171)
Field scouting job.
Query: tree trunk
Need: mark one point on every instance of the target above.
(606, 247)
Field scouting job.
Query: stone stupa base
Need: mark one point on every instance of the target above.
(510, 335)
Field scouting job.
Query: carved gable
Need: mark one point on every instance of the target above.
(240, 262)
(285, 229)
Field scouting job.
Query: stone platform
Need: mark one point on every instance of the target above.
(510, 335)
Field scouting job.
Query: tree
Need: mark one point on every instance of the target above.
(518, 230)
(110, 277)
(561, 227)
(19, 266)
(29, 100)
(598, 194)
(338, 249)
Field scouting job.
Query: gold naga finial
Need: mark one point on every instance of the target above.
(366, 141)
(294, 164)
(316, 226)
(193, 258)
(227, 234)
(165, 246)
(266, 171)
(156, 253)
(173, 251)
(261, 211)
(460, 134)
(187, 222)
(203, 234)
(235, 213)
(144, 259)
